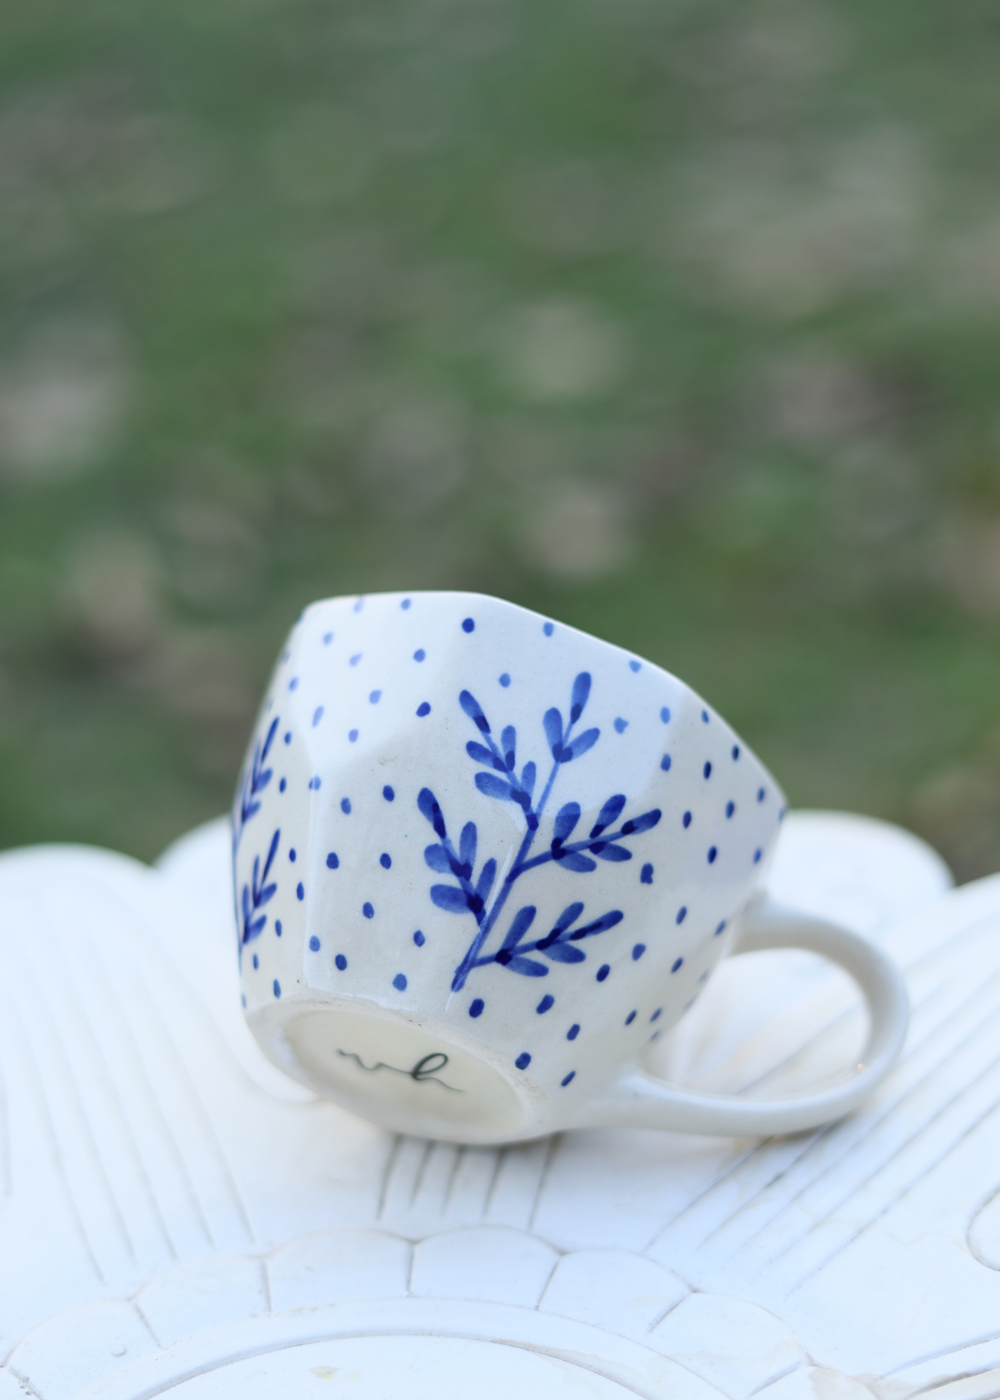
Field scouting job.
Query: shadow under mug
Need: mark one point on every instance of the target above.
(482, 860)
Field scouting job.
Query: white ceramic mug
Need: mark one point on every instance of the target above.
(482, 860)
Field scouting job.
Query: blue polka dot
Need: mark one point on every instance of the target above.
(621, 725)
(288, 738)
(757, 855)
(678, 963)
(341, 962)
(638, 951)
(389, 793)
(721, 926)
(634, 665)
(277, 927)
(375, 697)
(300, 890)
(468, 625)
(331, 860)
(293, 684)
(686, 819)
(602, 972)
(656, 1014)
(665, 762)
(315, 782)
(730, 808)
(476, 1009)
(548, 628)
(419, 939)
(345, 805)
(317, 715)
(359, 605)
(736, 752)
(277, 988)
(665, 715)
(355, 658)
(353, 736)
(368, 910)
(423, 709)
(256, 962)
(646, 878)
(682, 914)
(385, 860)
(569, 1079)
(505, 680)
(283, 784)
(544, 1005)
(399, 982)
(314, 944)
(630, 1018)
(704, 716)
(523, 1060)
(327, 638)
(419, 654)
(760, 794)
(292, 854)
(712, 853)
(573, 1032)
(707, 770)
(405, 604)
(243, 999)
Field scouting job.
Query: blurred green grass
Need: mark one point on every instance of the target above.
(677, 322)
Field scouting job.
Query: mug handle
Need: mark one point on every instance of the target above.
(639, 1100)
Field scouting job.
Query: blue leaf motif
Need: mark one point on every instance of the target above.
(486, 878)
(493, 786)
(564, 953)
(508, 746)
(601, 925)
(573, 860)
(483, 755)
(525, 966)
(428, 805)
(519, 926)
(474, 710)
(467, 846)
(580, 745)
(438, 859)
(581, 692)
(528, 778)
(566, 819)
(609, 813)
(450, 897)
(607, 850)
(553, 726)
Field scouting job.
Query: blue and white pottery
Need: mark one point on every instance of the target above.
(482, 860)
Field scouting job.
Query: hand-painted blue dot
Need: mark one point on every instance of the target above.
(602, 972)
(405, 604)
(315, 782)
(399, 982)
(389, 793)
(523, 1060)
(419, 654)
(300, 890)
(476, 1008)
(638, 951)
(505, 680)
(545, 1003)
(707, 770)
(682, 914)
(423, 709)
(654, 1036)
(283, 784)
(721, 926)
(736, 752)
(704, 976)
(340, 962)
(634, 665)
(761, 794)
(419, 939)
(621, 725)
(573, 1031)
(359, 605)
(730, 808)
(277, 927)
(327, 638)
(243, 999)
(686, 819)
(277, 988)
(332, 861)
(713, 851)
(256, 962)
(756, 856)
(356, 658)
(385, 860)
(345, 805)
(288, 737)
(468, 625)
(314, 944)
(353, 736)
(317, 715)
(646, 877)
(292, 855)
(368, 910)
(548, 628)
(293, 684)
(665, 762)
(375, 697)
(630, 1018)
(704, 716)
(568, 1079)
(665, 714)
(677, 964)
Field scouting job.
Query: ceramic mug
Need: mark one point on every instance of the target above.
(482, 859)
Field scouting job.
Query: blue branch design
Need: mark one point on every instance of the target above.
(257, 894)
(501, 780)
(254, 784)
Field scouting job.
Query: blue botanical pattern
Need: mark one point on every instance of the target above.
(256, 894)
(469, 893)
(254, 783)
